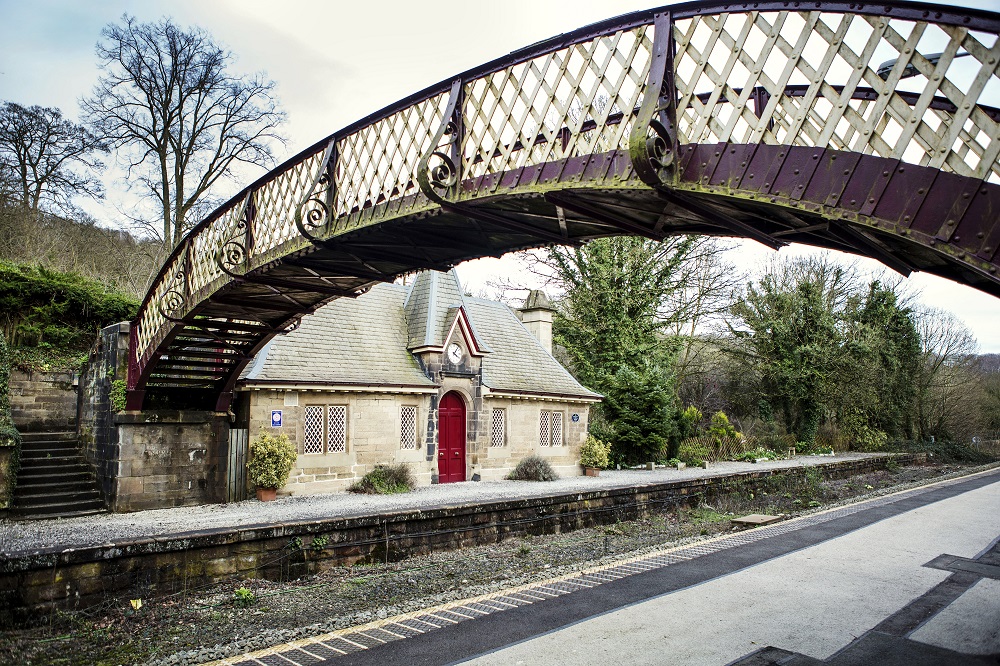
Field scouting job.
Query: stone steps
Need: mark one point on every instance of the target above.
(55, 480)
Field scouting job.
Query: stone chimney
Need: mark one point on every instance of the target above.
(536, 315)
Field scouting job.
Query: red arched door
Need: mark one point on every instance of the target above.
(451, 439)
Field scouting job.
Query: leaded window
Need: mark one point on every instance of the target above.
(324, 429)
(550, 428)
(499, 425)
(408, 428)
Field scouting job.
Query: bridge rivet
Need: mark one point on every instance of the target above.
(979, 235)
(767, 184)
(957, 239)
(750, 176)
(833, 157)
(885, 174)
(854, 201)
(993, 269)
(950, 222)
(961, 255)
(920, 191)
(743, 164)
(982, 191)
(906, 218)
(872, 200)
(796, 172)
(847, 172)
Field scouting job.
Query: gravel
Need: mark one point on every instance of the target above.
(111, 529)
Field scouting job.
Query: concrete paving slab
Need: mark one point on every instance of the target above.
(814, 601)
(971, 624)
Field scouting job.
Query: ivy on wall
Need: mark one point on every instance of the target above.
(10, 438)
(49, 316)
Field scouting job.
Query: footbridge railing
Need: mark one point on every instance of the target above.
(866, 128)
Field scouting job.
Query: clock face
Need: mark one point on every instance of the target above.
(455, 353)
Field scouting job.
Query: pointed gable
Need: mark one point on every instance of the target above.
(430, 309)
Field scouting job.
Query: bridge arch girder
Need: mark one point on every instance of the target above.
(772, 123)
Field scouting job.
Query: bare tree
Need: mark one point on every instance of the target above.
(946, 378)
(181, 121)
(47, 160)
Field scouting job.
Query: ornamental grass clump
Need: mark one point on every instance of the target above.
(533, 468)
(385, 480)
(595, 453)
(271, 460)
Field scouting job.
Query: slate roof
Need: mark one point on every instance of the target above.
(432, 296)
(518, 362)
(349, 341)
(366, 341)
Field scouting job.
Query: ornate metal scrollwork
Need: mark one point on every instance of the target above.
(173, 301)
(437, 172)
(316, 210)
(653, 142)
(233, 254)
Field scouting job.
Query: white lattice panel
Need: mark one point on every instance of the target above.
(499, 425)
(557, 428)
(379, 162)
(312, 430)
(536, 111)
(408, 428)
(544, 433)
(868, 84)
(336, 429)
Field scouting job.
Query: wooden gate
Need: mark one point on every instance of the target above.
(236, 473)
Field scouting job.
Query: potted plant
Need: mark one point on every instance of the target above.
(594, 455)
(271, 460)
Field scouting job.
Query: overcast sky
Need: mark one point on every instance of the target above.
(335, 62)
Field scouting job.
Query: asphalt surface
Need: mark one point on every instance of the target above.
(912, 579)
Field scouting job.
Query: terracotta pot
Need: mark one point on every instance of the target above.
(267, 494)
(592, 471)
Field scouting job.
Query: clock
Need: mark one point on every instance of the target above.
(455, 353)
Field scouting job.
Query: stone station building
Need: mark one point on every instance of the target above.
(455, 387)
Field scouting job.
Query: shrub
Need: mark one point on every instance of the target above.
(866, 438)
(117, 395)
(271, 460)
(694, 451)
(721, 428)
(595, 453)
(384, 480)
(533, 468)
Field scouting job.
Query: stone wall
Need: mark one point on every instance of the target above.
(43, 400)
(108, 362)
(373, 427)
(167, 459)
(34, 582)
(373, 435)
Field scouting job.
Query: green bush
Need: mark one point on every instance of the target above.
(694, 452)
(385, 480)
(53, 313)
(943, 451)
(117, 395)
(533, 468)
(866, 438)
(595, 453)
(271, 460)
